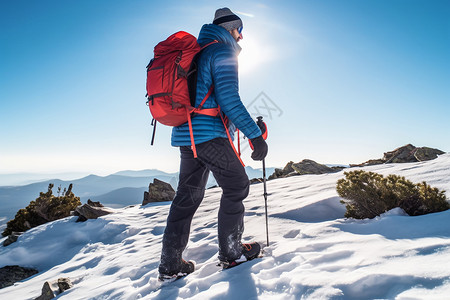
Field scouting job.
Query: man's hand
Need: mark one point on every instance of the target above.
(260, 148)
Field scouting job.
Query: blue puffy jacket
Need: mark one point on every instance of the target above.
(217, 64)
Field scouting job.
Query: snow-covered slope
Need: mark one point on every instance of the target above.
(314, 252)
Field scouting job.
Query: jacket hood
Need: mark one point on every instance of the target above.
(211, 32)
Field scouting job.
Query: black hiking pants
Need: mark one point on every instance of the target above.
(218, 157)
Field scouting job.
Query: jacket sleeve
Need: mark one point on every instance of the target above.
(226, 88)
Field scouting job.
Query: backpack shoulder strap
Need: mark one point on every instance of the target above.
(192, 73)
(208, 44)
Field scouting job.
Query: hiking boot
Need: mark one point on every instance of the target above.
(249, 252)
(187, 267)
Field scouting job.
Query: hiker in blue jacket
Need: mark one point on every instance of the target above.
(218, 65)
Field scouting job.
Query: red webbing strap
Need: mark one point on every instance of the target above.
(206, 97)
(212, 112)
(191, 133)
(210, 43)
(239, 142)
(229, 139)
(207, 111)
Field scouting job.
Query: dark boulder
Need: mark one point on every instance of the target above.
(86, 212)
(11, 274)
(158, 191)
(47, 291)
(64, 284)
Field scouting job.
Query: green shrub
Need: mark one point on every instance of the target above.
(369, 194)
(45, 208)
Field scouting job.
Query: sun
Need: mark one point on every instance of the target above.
(253, 54)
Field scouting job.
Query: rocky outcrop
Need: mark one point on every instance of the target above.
(405, 154)
(91, 210)
(308, 166)
(46, 208)
(304, 167)
(11, 274)
(285, 172)
(158, 191)
(53, 288)
(51, 208)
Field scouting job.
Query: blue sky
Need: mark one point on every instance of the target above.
(350, 79)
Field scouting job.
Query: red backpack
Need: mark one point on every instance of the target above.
(171, 83)
(167, 81)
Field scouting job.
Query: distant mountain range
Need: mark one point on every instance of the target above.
(29, 178)
(116, 190)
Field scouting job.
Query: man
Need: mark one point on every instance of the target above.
(217, 65)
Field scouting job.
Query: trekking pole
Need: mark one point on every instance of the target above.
(263, 128)
(265, 200)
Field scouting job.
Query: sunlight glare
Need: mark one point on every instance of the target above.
(253, 53)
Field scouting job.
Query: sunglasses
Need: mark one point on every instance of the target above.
(240, 29)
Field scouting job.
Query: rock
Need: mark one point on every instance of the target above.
(11, 274)
(425, 153)
(158, 191)
(288, 168)
(370, 162)
(400, 155)
(12, 238)
(339, 168)
(87, 211)
(276, 174)
(94, 204)
(404, 154)
(280, 173)
(51, 289)
(47, 291)
(306, 166)
(256, 180)
(64, 284)
(81, 218)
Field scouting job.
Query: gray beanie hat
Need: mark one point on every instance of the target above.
(227, 19)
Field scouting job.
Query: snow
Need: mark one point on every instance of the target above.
(314, 252)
